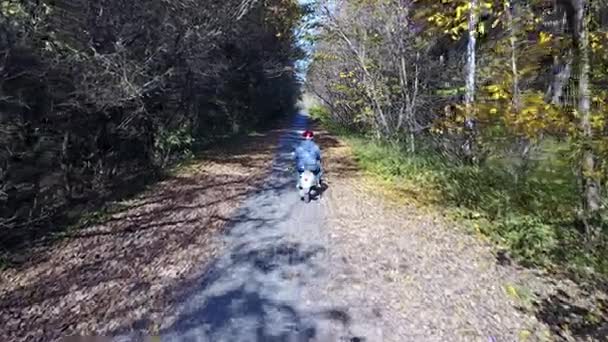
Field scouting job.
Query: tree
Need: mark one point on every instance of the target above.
(590, 182)
(470, 73)
(374, 66)
(94, 94)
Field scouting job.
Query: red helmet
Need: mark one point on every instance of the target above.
(308, 134)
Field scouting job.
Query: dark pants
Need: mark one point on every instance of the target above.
(315, 169)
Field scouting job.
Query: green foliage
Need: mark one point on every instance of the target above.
(4, 262)
(533, 217)
(530, 239)
(323, 115)
(320, 113)
(173, 144)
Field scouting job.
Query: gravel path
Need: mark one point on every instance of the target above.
(274, 252)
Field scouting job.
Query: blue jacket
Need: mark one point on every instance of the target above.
(308, 154)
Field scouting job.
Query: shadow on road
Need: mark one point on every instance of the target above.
(577, 311)
(250, 308)
(565, 318)
(253, 291)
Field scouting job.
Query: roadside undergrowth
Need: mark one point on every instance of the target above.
(534, 218)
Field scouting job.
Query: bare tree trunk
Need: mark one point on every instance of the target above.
(562, 73)
(409, 100)
(411, 105)
(562, 66)
(523, 143)
(66, 166)
(403, 82)
(591, 186)
(470, 73)
(511, 12)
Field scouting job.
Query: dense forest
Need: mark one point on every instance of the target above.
(99, 95)
(495, 109)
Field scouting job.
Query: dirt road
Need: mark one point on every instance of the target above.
(227, 252)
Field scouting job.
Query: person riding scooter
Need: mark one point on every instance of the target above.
(308, 156)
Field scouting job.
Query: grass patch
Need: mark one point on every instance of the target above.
(323, 117)
(4, 263)
(520, 294)
(533, 216)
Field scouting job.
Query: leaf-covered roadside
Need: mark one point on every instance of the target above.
(123, 273)
(421, 268)
(530, 218)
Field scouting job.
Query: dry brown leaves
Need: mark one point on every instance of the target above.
(119, 275)
(416, 276)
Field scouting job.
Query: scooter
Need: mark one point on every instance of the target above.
(308, 185)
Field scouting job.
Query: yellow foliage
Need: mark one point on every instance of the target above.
(544, 37)
(599, 42)
(462, 9)
(524, 335)
(321, 56)
(598, 120)
(11, 9)
(511, 291)
(481, 28)
(496, 22)
(497, 92)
